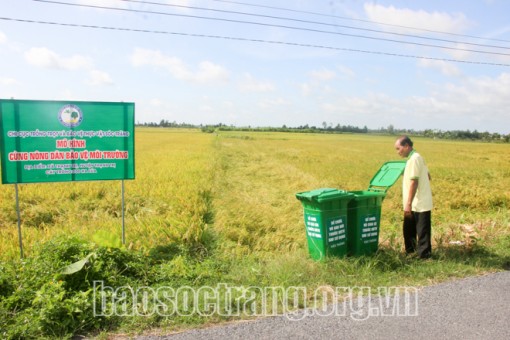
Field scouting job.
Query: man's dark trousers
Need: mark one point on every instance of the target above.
(417, 233)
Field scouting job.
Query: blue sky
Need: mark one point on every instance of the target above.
(302, 77)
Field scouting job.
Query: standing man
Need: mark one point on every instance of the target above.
(417, 199)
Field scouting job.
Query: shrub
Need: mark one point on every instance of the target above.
(51, 294)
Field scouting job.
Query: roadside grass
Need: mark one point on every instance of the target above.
(220, 209)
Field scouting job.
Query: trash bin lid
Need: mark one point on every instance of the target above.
(387, 175)
(322, 195)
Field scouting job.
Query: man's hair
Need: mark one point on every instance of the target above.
(405, 140)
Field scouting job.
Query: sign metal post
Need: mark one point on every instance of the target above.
(19, 222)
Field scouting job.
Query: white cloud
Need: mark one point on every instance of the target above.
(318, 82)
(272, 103)
(306, 89)
(99, 78)
(437, 21)
(328, 107)
(473, 102)
(346, 71)
(206, 71)
(322, 75)
(249, 84)
(3, 38)
(155, 102)
(206, 108)
(482, 95)
(46, 58)
(8, 81)
(446, 68)
(461, 51)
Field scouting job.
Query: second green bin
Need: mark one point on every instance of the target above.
(364, 210)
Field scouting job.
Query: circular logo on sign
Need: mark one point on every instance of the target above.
(70, 115)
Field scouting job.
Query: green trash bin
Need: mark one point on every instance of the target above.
(364, 210)
(325, 214)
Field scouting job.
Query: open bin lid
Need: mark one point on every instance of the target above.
(322, 195)
(387, 175)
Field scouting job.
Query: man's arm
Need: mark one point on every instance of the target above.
(412, 192)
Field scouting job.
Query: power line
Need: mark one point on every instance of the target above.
(361, 20)
(248, 40)
(274, 25)
(305, 21)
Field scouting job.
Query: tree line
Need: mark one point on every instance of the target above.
(330, 128)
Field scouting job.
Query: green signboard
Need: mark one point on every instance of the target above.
(62, 141)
